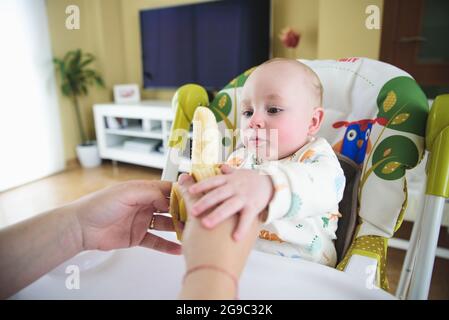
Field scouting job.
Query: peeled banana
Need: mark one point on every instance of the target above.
(205, 160)
(205, 144)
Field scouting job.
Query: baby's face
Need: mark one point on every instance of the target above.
(277, 99)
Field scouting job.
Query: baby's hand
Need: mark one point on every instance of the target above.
(237, 190)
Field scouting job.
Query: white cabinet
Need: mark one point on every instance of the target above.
(136, 133)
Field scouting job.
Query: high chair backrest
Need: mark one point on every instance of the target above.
(375, 114)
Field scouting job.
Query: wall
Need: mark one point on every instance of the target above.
(100, 33)
(342, 31)
(110, 30)
(302, 16)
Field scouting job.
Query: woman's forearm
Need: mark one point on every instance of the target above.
(33, 247)
(226, 254)
(208, 284)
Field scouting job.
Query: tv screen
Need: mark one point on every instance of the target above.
(208, 43)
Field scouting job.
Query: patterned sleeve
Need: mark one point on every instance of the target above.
(310, 186)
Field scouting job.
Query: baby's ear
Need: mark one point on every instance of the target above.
(317, 120)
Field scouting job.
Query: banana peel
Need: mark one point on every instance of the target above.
(177, 206)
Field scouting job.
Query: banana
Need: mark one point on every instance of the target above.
(177, 209)
(205, 160)
(204, 172)
(205, 144)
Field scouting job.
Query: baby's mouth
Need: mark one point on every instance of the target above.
(257, 141)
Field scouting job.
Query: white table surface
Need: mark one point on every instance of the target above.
(140, 273)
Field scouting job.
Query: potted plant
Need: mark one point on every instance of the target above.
(76, 78)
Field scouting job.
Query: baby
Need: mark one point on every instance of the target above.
(285, 174)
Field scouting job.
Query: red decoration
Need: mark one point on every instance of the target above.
(362, 123)
(289, 37)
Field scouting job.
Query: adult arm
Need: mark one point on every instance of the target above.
(116, 217)
(216, 247)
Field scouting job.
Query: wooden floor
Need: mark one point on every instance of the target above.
(47, 193)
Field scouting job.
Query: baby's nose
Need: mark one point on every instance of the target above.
(257, 122)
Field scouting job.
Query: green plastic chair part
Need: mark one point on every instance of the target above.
(437, 143)
(373, 247)
(185, 101)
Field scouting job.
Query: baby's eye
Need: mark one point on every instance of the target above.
(274, 110)
(247, 113)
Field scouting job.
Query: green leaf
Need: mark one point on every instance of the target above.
(87, 59)
(68, 55)
(86, 62)
(402, 102)
(222, 103)
(99, 81)
(66, 90)
(89, 71)
(62, 70)
(75, 61)
(84, 89)
(393, 156)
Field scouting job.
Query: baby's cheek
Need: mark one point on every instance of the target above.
(287, 138)
(291, 137)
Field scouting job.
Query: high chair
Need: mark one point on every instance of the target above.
(375, 118)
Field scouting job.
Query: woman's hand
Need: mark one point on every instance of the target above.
(112, 218)
(119, 216)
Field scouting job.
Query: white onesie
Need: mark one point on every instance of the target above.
(303, 213)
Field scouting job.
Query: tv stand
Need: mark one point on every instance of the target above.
(142, 139)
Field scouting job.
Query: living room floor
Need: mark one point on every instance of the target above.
(25, 201)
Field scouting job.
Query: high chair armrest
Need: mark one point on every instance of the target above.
(366, 260)
(185, 101)
(365, 269)
(437, 142)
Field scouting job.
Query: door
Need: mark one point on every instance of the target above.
(415, 38)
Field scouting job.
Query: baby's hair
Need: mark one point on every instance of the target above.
(316, 83)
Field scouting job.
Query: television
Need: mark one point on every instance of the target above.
(207, 43)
